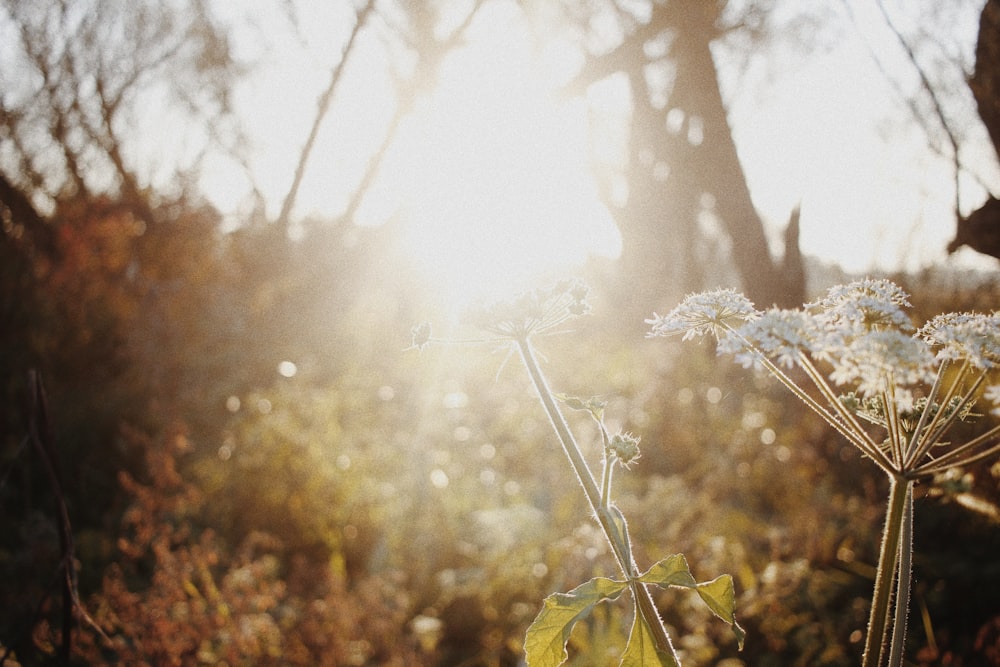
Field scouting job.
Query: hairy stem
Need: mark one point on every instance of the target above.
(885, 576)
(616, 537)
(903, 580)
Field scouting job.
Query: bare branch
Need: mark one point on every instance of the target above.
(938, 110)
(322, 106)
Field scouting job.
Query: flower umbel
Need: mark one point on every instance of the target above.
(533, 312)
(717, 313)
(908, 386)
(780, 334)
(971, 336)
(421, 335)
(865, 304)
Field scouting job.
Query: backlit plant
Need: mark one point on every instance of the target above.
(894, 391)
(515, 324)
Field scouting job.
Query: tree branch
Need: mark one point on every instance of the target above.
(322, 107)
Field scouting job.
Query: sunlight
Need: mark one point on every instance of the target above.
(491, 172)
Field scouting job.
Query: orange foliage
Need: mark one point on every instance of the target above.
(177, 596)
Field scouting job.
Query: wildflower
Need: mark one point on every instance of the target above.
(782, 335)
(718, 312)
(533, 312)
(866, 341)
(864, 305)
(882, 360)
(971, 336)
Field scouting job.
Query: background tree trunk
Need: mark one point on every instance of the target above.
(981, 229)
(682, 149)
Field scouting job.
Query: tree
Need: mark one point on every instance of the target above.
(80, 78)
(934, 104)
(683, 163)
(980, 230)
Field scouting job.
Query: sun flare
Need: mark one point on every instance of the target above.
(492, 173)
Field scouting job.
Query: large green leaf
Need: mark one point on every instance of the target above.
(641, 650)
(545, 642)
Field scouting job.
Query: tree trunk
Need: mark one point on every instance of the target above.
(716, 163)
(664, 254)
(980, 230)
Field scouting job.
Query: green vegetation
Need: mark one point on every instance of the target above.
(371, 505)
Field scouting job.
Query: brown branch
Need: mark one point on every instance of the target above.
(427, 66)
(322, 106)
(938, 110)
(42, 436)
(910, 102)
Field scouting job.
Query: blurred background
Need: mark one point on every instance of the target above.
(221, 220)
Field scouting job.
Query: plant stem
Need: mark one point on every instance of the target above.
(570, 448)
(616, 537)
(903, 580)
(885, 577)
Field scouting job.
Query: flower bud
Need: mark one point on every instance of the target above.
(625, 448)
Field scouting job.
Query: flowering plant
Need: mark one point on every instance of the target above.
(894, 391)
(515, 324)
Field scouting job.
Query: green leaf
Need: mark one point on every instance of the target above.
(545, 642)
(593, 405)
(671, 571)
(719, 594)
(641, 650)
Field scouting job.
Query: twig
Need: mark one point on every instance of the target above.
(42, 436)
(322, 106)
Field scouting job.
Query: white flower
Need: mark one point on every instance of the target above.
(533, 312)
(960, 336)
(717, 312)
(625, 447)
(878, 360)
(865, 304)
(780, 334)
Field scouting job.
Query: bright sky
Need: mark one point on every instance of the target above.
(490, 173)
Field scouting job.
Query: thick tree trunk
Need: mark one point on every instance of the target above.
(674, 165)
(981, 229)
(985, 81)
(717, 164)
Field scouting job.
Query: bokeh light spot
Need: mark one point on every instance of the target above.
(455, 400)
(439, 478)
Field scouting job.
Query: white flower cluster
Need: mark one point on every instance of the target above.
(714, 312)
(533, 312)
(965, 336)
(864, 339)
